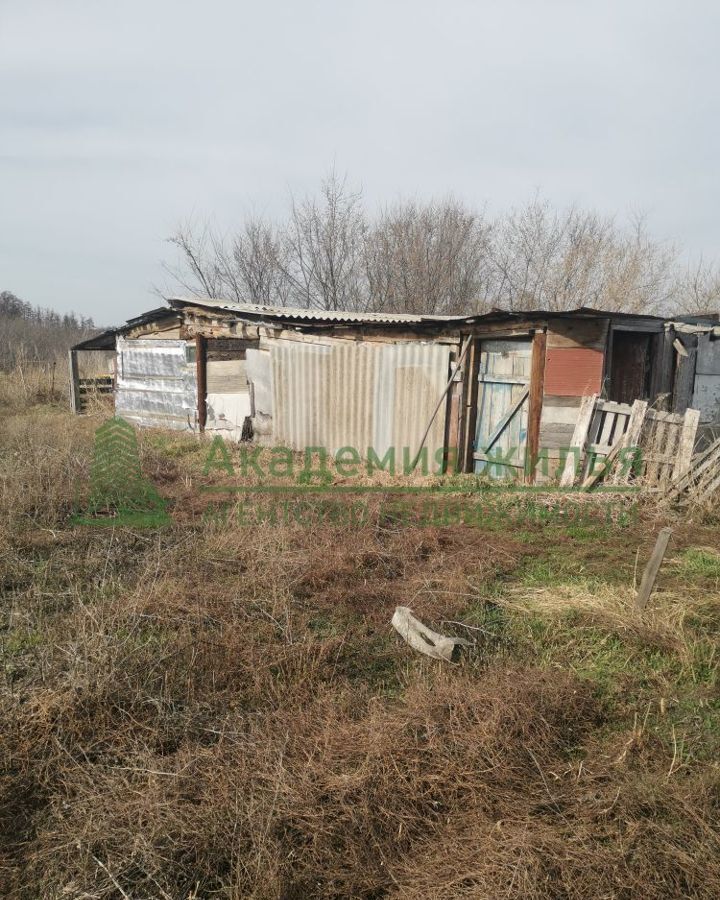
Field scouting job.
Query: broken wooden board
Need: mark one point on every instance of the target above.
(579, 439)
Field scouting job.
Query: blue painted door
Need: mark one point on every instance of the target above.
(502, 408)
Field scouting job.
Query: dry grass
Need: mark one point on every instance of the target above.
(662, 625)
(212, 710)
(34, 383)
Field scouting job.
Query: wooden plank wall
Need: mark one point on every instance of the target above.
(226, 376)
(685, 373)
(226, 365)
(628, 366)
(163, 329)
(661, 376)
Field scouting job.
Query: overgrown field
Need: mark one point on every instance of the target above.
(218, 710)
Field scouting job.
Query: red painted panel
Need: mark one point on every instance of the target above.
(573, 371)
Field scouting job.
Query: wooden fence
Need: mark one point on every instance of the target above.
(87, 388)
(665, 443)
(702, 479)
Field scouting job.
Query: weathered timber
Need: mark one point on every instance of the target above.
(653, 568)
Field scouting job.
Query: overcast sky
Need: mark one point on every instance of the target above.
(121, 118)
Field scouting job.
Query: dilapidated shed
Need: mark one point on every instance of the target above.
(467, 388)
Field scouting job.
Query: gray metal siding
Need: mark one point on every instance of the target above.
(358, 394)
(156, 383)
(706, 396)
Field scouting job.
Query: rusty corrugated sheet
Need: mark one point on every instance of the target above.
(573, 371)
(359, 394)
(156, 383)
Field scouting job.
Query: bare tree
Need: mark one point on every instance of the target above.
(697, 289)
(544, 259)
(440, 257)
(322, 245)
(252, 266)
(197, 272)
(639, 271)
(427, 258)
(312, 260)
(246, 267)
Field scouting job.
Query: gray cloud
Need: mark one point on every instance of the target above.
(118, 120)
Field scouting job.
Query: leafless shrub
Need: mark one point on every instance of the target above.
(545, 259)
(698, 289)
(441, 257)
(427, 258)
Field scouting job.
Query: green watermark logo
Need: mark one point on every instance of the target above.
(443, 512)
(319, 487)
(316, 468)
(289, 486)
(119, 494)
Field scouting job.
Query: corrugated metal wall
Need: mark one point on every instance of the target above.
(358, 394)
(156, 383)
(706, 396)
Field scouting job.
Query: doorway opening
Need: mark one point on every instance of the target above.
(630, 366)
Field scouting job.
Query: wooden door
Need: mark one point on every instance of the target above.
(502, 408)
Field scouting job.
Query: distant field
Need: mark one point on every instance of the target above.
(218, 710)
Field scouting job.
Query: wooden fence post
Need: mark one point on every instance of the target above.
(75, 402)
(537, 381)
(631, 438)
(685, 374)
(652, 568)
(201, 375)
